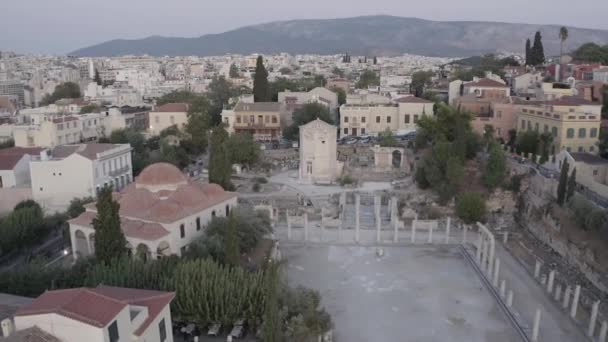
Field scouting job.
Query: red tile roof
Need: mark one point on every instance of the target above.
(486, 83)
(177, 107)
(80, 304)
(161, 173)
(98, 306)
(131, 228)
(572, 101)
(412, 99)
(9, 157)
(88, 151)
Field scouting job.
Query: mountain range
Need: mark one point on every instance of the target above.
(370, 35)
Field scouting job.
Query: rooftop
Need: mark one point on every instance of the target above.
(173, 108)
(258, 107)
(588, 158)
(9, 157)
(486, 83)
(412, 99)
(89, 151)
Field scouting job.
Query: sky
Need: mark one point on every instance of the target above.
(61, 26)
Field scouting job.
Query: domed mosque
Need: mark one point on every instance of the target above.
(161, 213)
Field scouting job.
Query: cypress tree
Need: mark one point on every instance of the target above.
(571, 185)
(261, 89)
(220, 167)
(272, 320)
(231, 244)
(538, 52)
(563, 180)
(110, 241)
(375, 60)
(97, 78)
(528, 52)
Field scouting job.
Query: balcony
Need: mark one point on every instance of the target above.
(119, 171)
(256, 125)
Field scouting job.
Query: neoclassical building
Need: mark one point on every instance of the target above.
(161, 213)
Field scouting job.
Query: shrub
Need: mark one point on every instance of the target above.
(515, 183)
(261, 180)
(471, 207)
(256, 187)
(346, 180)
(586, 214)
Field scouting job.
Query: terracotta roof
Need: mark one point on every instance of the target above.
(588, 158)
(131, 228)
(33, 334)
(160, 173)
(572, 101)
(155, 301)
(172, 108)
(258, 107)
(487, 83)
(80, 304)
(98, 306)
(9, 157)
(412, 99)
(88, 151)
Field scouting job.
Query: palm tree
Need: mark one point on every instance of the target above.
(563, 35)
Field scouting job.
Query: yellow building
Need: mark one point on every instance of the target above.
(573, 122)
(167, 115)
(261, 119)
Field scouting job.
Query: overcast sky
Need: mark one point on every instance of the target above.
(61, 26)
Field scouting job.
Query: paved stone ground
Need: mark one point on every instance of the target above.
(415, 293)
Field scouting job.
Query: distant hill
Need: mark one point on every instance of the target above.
(370, 35)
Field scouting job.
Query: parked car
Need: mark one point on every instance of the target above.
(214, 329)
(238, 330)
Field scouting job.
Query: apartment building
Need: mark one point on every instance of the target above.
(76, 171)
(371, 119)
(52, 131)
(552, 91)
(100, 314)
(574, 122)
(15, 166)
(161, 213)
(489, 88)
(167, 115)
(261, 119)
(13, 88)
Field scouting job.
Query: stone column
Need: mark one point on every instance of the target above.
(395, 209)
(484, 255)
(396, 236)
(430, 233)
(491, 256)
(537, 266)
(322, 223)
(377, 205)
(447, 231)
(503, 288)
(357, 223)
(594, 309)
(536, 327)
(464, 234)
(558, 292)
(496, 270)
(566, 301)
(305, 226)
(603, 331)
(414, 230)
(510, 299)
(574, 307)
(505, 237)
(288, 225)
(479, 247)
(550, 282)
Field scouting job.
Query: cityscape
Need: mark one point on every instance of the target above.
(374, 178)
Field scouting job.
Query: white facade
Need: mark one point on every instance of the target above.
(56, 181)
(18, 176)
(318, 152)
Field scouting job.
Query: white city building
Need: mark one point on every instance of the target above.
(101, 314)
(76, 171)
(161, 213)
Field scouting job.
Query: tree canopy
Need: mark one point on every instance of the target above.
(261, 88)
(220, 167)
(243, 149)
(537, 52)
(304, 115)
(67, 90)
(420, 80)
(368, 78)
(110, 242)
(591, 53)
(495, 169)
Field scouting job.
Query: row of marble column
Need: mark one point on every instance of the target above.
(570, 301)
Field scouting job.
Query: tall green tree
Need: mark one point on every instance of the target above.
(231, 243)
(528, 52)
(368, 78)
(420, 80)
(546, 142)
(243, 149)
(571, 185)
(495, 168)
(234, 71)
(220, 167)
(110, 242)
(272, 319)
(97, 78)
(67, 90)
(199, 122)
(304, 115)
(563, 183)
(538, 52)
(261, 88)
(563, 36)
(341, 95)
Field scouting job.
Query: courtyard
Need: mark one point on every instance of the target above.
(414, 293)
